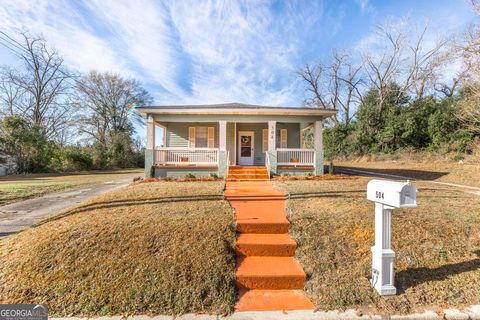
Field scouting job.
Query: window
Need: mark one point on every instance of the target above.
(201, 137)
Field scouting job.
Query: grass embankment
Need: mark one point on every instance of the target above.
(441, 171)
(153, 248)
(437, 246)
(20, 187)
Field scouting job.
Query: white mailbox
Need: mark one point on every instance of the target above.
(396, 194)
(387, 195)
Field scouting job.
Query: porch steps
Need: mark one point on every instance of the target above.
(268, 276)
(247, 173)
(264, 244)
(271, 300)
(269, 273)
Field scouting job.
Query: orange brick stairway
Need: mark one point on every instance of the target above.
(268, 276)
(247, 173)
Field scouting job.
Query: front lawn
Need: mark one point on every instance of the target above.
(20, 187)
(437, 246)
(152, 248)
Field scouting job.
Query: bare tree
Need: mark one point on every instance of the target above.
(335, 86)
(424, 65)
(40, 91)
(469, 106)
(314, 77)
(383, 68)
(408, 60)
(346, 85)
(10, 94)
(108, 101)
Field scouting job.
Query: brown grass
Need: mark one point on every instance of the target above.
(437, 246)
(156, 248)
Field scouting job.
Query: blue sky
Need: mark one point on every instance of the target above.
(217, 51)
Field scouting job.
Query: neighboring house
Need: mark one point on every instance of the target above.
(205, 139)
(7, 164)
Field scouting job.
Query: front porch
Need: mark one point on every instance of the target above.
(175, 149)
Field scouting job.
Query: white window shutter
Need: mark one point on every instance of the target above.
(191, 137)
(283, 138)
(264, 140)
(211, 137)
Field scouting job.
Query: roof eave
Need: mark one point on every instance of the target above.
(239, 111)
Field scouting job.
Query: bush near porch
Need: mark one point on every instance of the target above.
(152, 248)
(437, 246)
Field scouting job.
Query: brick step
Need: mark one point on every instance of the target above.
(245, 180)
(260, 216)
(247, 172)
(271, 300)
(256, 198)
(235, 192)
(254, 244)
(269, 273)
(263, 227)
(248, 176)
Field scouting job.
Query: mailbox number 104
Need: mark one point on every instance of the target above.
(379, 195)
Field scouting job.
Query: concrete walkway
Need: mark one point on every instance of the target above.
(20, 215)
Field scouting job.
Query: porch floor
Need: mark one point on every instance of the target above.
(180, 166)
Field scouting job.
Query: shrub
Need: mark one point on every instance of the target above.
(73, 158)
(27, 144)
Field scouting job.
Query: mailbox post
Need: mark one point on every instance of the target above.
(387, 196)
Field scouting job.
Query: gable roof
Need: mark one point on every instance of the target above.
(235, 108)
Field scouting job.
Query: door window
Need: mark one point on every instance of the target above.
(245, 146)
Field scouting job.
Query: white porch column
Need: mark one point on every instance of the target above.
(272, 135)
(222, 153)
(222, 143)
(150, 148)
(272, 147)
(318, 136)
(318, 146)
(150, 133)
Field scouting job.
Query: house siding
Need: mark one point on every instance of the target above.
(293, 134)
(177, 133)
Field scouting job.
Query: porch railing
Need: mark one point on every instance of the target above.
(295, 157)
(185, 156)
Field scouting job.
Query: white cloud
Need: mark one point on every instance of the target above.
(238, 51)
(363, 4)
(64, 29)
(186, 51)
